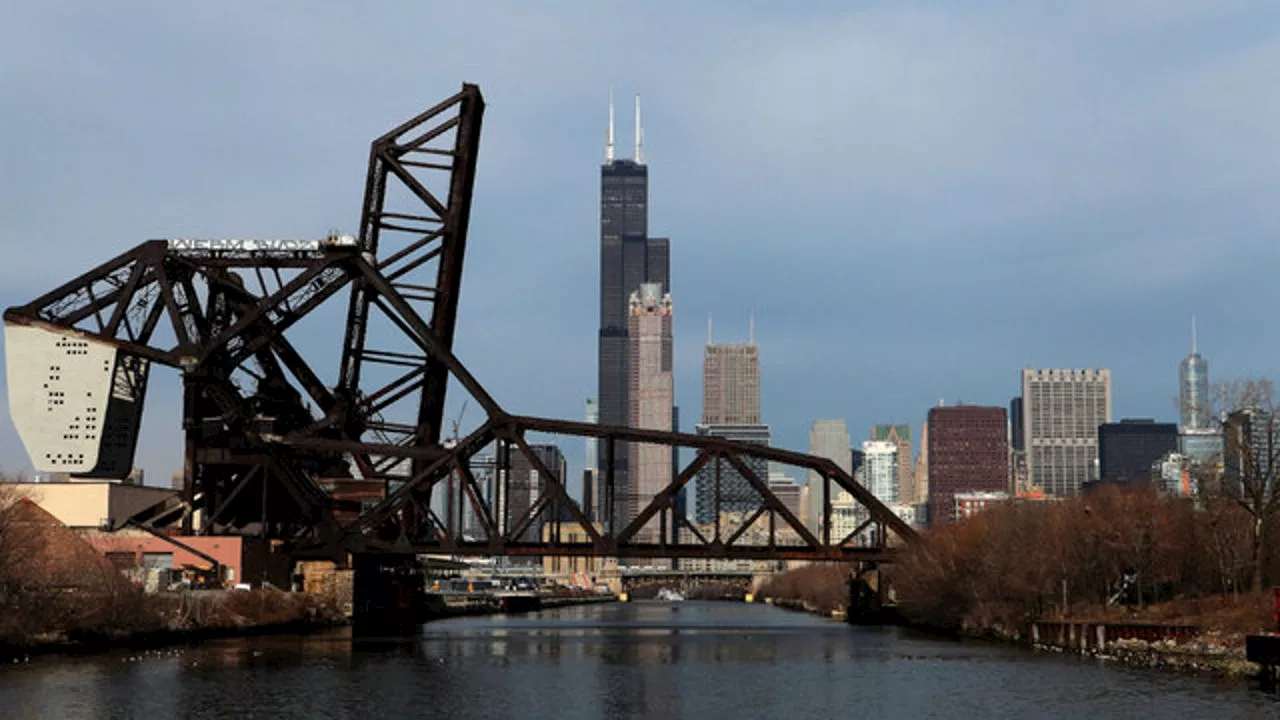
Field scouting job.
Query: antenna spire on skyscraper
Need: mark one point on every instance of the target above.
(608, 146)
(709, 328)
(1193, 333)
(639, 156)
(751, 329)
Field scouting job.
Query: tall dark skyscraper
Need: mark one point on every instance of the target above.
(629, 258)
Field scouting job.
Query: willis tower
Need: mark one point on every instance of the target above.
(629, 258)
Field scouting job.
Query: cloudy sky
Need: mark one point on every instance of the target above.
(916, 200)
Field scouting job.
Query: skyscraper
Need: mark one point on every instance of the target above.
(731, 382)
(628, 259)
(1193, 388)
(968, 452)
(880, 467)
(1198, 439)
(730, 410)
(828, 439)
(1062, 410)
(900, 436)
(652, 395)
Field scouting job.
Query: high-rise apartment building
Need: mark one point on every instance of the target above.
(629, 258)
(900, 436)
(880, 467)
(828, 439)
(1062, 410)
(968, 452)
(652, 394)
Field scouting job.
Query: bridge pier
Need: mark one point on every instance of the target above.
(388, 594)
(867, 601)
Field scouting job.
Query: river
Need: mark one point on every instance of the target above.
(639, 660)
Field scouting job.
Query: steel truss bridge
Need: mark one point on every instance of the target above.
(273, 448)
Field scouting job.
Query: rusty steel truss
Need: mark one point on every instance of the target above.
(271, 448)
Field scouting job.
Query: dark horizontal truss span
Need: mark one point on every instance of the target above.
(275, 449)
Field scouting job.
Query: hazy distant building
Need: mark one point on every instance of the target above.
(525, 484)
(485, 470)
(629, 258)
(900, 436)
(828, 439)
(1062, 410)
(968, 452)
(880, 465)
(1128, 449)
(787, 491)
(652, 394)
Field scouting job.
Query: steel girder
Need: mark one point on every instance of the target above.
(264, 430)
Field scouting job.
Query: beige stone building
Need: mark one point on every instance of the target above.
(1061, 412)
(652, 400)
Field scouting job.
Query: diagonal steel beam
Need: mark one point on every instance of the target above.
(554, 484)
(772, 500)
(663, 499)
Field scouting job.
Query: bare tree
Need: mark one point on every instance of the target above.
(1246, 412)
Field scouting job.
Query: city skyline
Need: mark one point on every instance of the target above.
(858, 203)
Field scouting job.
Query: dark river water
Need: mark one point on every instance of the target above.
(641, 660)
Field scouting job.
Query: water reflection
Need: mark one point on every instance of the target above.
(618, 661)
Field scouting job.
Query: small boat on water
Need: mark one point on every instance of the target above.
(669, 595)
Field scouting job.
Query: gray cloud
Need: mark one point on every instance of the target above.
(915, 200)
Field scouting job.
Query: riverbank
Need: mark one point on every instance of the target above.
(176, 618)
(1202, 635)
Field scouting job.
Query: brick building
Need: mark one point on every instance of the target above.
(968, 452)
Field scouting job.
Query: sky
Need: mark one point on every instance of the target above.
(916, 200)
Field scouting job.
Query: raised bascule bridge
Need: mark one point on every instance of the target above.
(357, 467)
